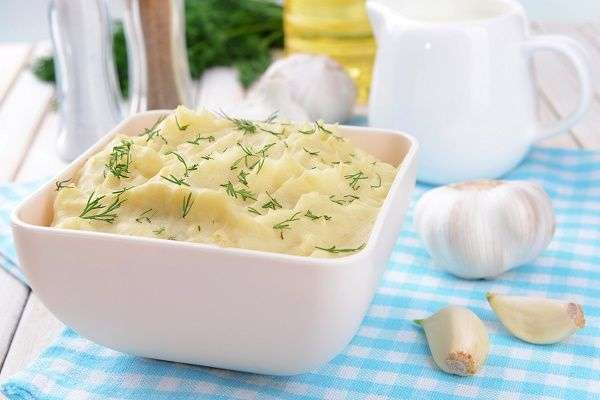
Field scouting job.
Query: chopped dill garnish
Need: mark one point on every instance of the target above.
(121, 191)
(233, 192)
(346, 199)
(314, 217)
(181, 160)
(347, 162)
(159, 231)
(63, 184)
(207, 157)
(339, 201)
(378, 185)
(335, 162)
(102, 212)
(119, 159)
(173, 179)
(181, 128)
(312, 153)
(144, 217)
(273, 204)
(253, 211)
(199, 228)
(308, 131)
(324, 130)
(274, 133)
(154, 131)
(200, 137)
(252, 158)
(286, 224)
(335, 250)
(242, 125)
(172, 238)
(186, 205)
(355, 178)
(242, 177)
(272, 117)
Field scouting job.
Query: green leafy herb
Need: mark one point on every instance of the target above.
(188, 169)
(121, 191)
(242, 177)
(63, 184)
(173, 179)
(196, 141)
(274, 133)
(242, 125)
(286, 224)
(233, 192)
(252, 158)
(207, 157)
(350, 198)
(239, 33)
(355, 178)
(144, 217)
(308, 131)
(154, 131)
(119, 159)
(272, 117)
(95, 210)
(312, 153)
(335, 250)
(326, 131)
(346, 199)
(378, 185)
(159, 231)
(314, 217)
(273, 204)
(254, 210)
(181, 128)
(186, 205)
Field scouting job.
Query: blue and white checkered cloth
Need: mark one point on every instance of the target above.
(389, 357)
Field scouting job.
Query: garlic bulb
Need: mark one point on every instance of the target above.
(480, 229)
(273, 96)
(318, 84)
(458, 340)
(537, 319)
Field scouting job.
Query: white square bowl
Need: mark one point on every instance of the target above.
(195, 303)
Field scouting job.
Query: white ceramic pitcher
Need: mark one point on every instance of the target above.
(456, 74)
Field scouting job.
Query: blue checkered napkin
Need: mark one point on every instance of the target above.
(389, 358)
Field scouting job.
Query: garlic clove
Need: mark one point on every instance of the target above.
(480, 229)
(537, 320)
(319, 84)
(273, 96)
(458, 340)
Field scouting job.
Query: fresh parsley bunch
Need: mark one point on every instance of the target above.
(239, 33)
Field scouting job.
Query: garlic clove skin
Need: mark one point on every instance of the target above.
(458, 340)
(320, 85)
(480, 229)
(271, 97)
(537, 320)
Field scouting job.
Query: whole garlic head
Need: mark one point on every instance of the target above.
(318, 84)
(480, 229)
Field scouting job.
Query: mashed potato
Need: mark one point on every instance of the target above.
(198, 177)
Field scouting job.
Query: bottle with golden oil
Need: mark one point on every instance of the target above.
(337, 28)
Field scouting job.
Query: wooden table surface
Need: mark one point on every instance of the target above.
(29, 124)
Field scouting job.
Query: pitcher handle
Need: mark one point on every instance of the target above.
(578, 56)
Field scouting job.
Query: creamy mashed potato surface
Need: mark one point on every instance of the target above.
(199, 177)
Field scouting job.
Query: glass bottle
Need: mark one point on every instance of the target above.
(337, 28)
(87, 91)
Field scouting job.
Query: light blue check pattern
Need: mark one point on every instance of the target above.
(388, 358)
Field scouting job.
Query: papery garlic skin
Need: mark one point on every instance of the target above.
(537, 320)
(480, 229)
(317, 83)
(458, 340)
